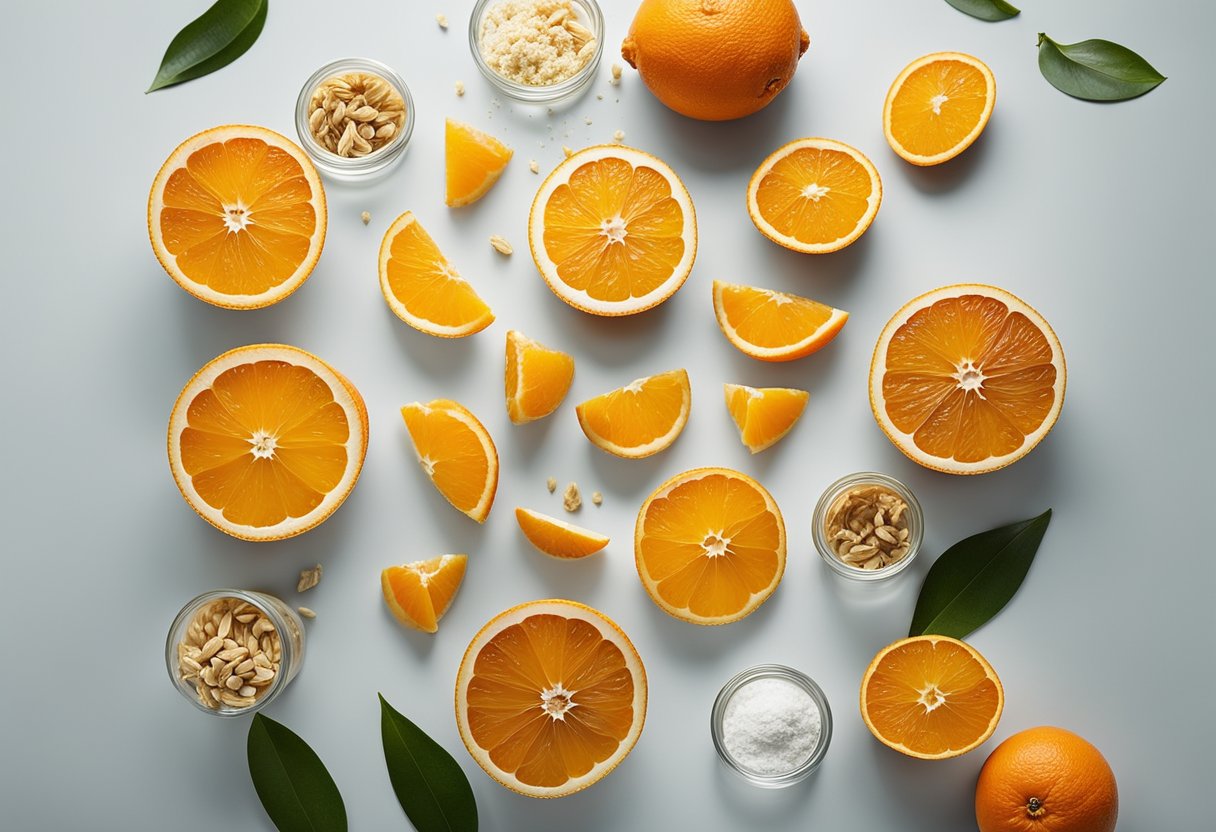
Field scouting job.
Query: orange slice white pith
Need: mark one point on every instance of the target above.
(419, 593)
(557, 538)
(456, 452)
(764, 415)
(938, 106)
(774, 326)
(537, 378)
(639, 419)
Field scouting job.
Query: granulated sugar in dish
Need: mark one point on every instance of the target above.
(771, 726)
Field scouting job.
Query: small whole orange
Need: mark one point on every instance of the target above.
(1046, 780)
(715, 60)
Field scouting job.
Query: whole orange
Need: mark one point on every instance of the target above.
(715, 60)
(1046, 780)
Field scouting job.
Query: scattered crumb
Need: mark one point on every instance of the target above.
(442, 20)
(366, 216)
(309, 578)
(618, 136)
(306, 612)
(460, 87)
(587, 120)
(567, 151)
(501, 245)
(533, 166)
(616, 75)
(571, 499)
(549, 111)
(551, 484)
(597, 498)
(599, 96)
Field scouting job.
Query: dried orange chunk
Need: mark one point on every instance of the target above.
(475, 160)
(764, 415)
(537, 378)
(557, 538)
(456, 452)
(639, 419)
(774, 326)
(419, 593)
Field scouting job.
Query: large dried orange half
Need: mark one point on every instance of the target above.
(774, 326)
(474, 161)
(639, 419)
(710, 546)
(764, 415)
(557, 538)
(419, 593)
(612, 231)
(931, 697)
(537, 378)
(550, 697)
(967, 379)
(237, 216)
(938, 106)
(455, 450)
(266, 441)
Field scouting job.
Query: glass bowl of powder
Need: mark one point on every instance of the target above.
(771, 725)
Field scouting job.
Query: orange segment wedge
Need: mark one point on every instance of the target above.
(537, 378)
(938, 106)
(557, 538)
(423, 288)
(764, 415)
(639, 419)
(456, 452)
(475, 160)
(931, 697)
(814, 195)
(774, 326)
(266, 441)
(710, 546)
(419, 593)
(237, 216)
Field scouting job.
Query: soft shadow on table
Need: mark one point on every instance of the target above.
(825, 277)
(942, 791)
(749, 807)
(437, 358)
(943, 178)
(572, 578)
(692, 644)
(420, 643)
(625, 478)
(529, 438)
(621, 341)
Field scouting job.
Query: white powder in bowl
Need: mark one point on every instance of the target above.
(771, 726)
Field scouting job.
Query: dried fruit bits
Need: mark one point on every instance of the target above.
(535, 42)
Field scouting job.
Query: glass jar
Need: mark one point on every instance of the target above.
(914, 513)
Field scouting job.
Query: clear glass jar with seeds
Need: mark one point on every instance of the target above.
(868, 526)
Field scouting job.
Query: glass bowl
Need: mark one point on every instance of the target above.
(914, 513)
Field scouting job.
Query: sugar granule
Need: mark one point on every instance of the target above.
(771, 726)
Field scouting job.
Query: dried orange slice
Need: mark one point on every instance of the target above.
(814, 195)
(550, 697)
(423, 288)
(938, 106)
(266, 441)
(710, 546)
(475, 160)
(538, 378)
(931, 697)
(557, 538)
(419, 593)
(613, 231)
(764, 415)
(456, 452)
(639, 419)
(774, 326)
(967, 379)
(237, 216)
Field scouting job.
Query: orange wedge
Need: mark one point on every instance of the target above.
(639, 419)
(938, 106)
(710, 546)
(418, 594)
(266, 441)
(550, 697)
(456, 452)
(612, 231)
(237, 216)
(475, 160)
(764, 415)
(931, 697)
(557, 538)
(538, 378)
(814, 195)
(423, 288)
(774, 326)
(967, 379)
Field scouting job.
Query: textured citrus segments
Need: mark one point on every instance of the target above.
(558, 538)
(774, 326)
(475, 160)
(266, 441)
(764, 415)
(419, 593)
(612, 231)
(931, 697)
(967, 379)
(639, 419)
(710, 546)
(456, 452)
(237, 216)
(550, 697)
(423, 288)
(537, 378)
(938, 106)
(814, 195)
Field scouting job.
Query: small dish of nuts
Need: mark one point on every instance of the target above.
(868, 526)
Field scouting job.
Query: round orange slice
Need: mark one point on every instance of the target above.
(938, 106)
(538, 378)
(967, 379)
(764, 415)
(419, 593)
(612, 231)
(237, 216)
(550, 697)
(266, 441)
(774, 326)
(710, 546)
(456, 452)
(557, 538)
(931, 697)
(474, 162)
(639, 419)
(814, 195)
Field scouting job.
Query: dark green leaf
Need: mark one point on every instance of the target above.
(291, 781)
(1096, 70)
(430, 785)
(213, 40)
(990, 10)
(974, 579)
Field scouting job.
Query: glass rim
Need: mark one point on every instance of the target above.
(916, 528)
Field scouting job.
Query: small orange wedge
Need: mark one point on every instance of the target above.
(639, 419)
(774, 326)
(418, 594)
(938, 106)
(537, 377)
(557, 538)
(764, 415)
(475, 160)
(456, 452)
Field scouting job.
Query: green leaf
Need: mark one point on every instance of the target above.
(430, 785)
(975, 578)
(291, 781)
(215, 39)
(990, 10)
(1096, 70)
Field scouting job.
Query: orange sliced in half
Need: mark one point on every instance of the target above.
(456, 452)
(814, 195)
(419, 593)
(938, 106)
(266, 441)
(710, 546)
(774, 326)
(931, 697)
(538, 378)
(237, 216)
(550, 697)
(557, 538)
(423, 288)
(639, 419)
(475, 160)
(764, 415)
(612, 231)
(967, 379)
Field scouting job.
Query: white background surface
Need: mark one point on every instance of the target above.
(1100, 216)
